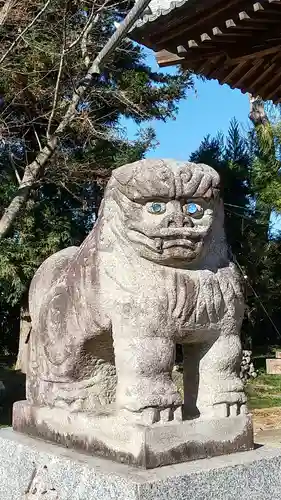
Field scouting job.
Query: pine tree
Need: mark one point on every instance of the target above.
(45, 55)
(40, 68)
(247, 166)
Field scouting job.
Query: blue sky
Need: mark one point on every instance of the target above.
(206, 111)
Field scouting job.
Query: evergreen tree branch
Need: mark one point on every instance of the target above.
(18, 38)
(87, 28)
(33, 170)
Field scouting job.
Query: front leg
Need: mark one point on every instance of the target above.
(212, 384)
(144, 375)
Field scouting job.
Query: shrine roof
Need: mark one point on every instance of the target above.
(158, 8)
(237, 42)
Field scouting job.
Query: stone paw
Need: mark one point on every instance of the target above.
(169, 415)
(149, 416)
(222, 410)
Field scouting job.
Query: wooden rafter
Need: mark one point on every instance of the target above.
(237, 42)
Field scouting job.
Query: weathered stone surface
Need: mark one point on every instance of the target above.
(118, 438)
(33, 469)
(155, 271)
(278, 354)
(273, 366)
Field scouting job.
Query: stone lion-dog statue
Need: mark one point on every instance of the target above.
(154, 272)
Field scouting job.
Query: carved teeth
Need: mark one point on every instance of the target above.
(158, 243)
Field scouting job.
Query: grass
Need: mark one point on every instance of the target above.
(265, 390)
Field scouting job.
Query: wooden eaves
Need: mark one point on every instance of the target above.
(237, 42)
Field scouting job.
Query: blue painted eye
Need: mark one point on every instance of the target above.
(156, 207)
(193, 209)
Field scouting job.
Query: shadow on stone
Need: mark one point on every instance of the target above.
(12, 388)
(257, 445)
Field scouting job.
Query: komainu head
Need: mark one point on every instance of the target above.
(169, 211)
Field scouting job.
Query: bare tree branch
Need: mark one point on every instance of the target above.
(84, 39)
(56, 93)
(33, 170)
(90, 22)
(37, 137)
(80, 200)
(55, 100)
(5, 10)
(16, 173)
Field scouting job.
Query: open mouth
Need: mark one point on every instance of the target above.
(170, 239)
(178, 243)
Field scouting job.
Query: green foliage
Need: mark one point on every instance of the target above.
(266, 179)
(230, 157)
(250, 188)
(37, 80)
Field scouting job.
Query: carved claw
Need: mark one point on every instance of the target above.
(223, 410)
(149, 416)
(178, 414)
(234, 410)
(166, 415)
(171, 414)
(244, 409)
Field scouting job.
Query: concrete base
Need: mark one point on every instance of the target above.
(31, 469)
(118, 438)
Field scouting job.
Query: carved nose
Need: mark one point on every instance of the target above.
(180, 221)
(176, 220)
(188, 222)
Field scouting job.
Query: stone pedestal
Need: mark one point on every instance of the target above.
(32, 469)
(134, 443)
